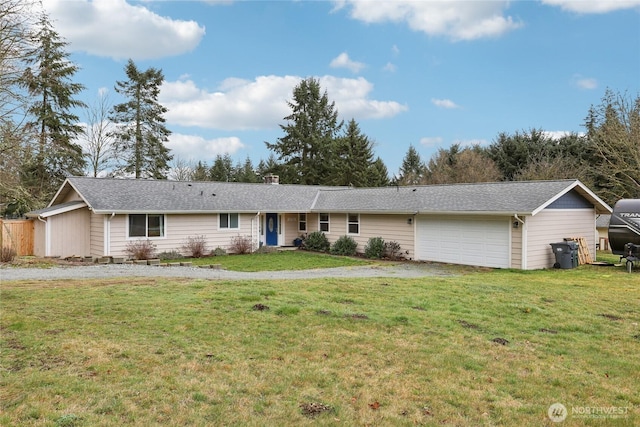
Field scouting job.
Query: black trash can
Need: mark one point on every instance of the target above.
(574, 247)
(566, 254)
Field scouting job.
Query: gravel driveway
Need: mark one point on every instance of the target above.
(99, 271)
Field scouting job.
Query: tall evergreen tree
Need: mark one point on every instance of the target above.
(270, 166)
(245, 172)
(307, 148)
(49, 83)
(512, 153)
(379, 174)
(141, 134)
(201, 172)
(354, 158)
(222, 169)
(412, 169)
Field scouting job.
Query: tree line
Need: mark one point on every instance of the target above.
(606, 157)
(42, 142)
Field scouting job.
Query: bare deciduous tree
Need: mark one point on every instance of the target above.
(97, 140)
(181, 169)
(16, 20)
(613, 129)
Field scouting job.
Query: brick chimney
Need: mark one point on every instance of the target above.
(271, 179)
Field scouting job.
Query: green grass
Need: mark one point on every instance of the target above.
(280, 260)
(149, 351)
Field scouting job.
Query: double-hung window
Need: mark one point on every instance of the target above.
(302, 222)
(229, 221)
(324, 222)
(146, 225)
(353, 223)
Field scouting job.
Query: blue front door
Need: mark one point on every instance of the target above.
(272, 229)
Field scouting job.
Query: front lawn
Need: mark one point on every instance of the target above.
(280, 260)
(480, 348)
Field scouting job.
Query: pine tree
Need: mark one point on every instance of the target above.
(246, 172)
(48, 81)
(307, 148)
(379, 174)
(140, 132)
(270, 166)
(412, 169)
(222, 169)
(354, 158)
(201, 172)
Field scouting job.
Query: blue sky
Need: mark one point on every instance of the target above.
(423, 73)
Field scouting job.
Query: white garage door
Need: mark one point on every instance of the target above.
(481, 241)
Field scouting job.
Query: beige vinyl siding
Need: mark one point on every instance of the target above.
(69, 233)
(96, 235)
(178, 228)
(389, 227)
(553, 225)
(337, 226)
(39, 238)
(118, 235)
(72, 196)
(290, 229)
(516, 245)
(312, 222)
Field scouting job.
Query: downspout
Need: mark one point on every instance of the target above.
(257, 230)
(47, 249)
(523, 234)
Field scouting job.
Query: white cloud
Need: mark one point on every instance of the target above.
(343, 61)
(587, 83)
(444, 103)
(457, 20)
(116, 29)
(389, 67)
(194, 148)
(558, 134)
(262, 103)
(593, 6)
(431, 141)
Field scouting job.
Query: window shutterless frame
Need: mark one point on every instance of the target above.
(229, 221)
(323, 222)
(146, 225)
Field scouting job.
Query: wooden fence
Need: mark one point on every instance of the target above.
(17, 234)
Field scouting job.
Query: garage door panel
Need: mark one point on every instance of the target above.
(479, 241)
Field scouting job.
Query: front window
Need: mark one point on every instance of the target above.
(324, 222)
(142, 225)
(302, 222)
(229, 220)
(353, 224)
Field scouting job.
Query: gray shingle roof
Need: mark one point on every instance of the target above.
(67, 206)
(140, 195)
(495, 197)
(128, 195)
